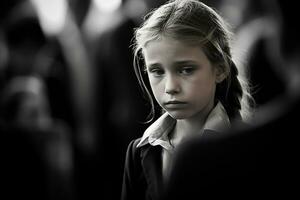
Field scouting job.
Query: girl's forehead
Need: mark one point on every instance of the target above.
(166, 45)
(168, 50)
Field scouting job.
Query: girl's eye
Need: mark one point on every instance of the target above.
(156, 72)
(187, 70)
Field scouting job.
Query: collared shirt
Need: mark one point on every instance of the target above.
(158, 132)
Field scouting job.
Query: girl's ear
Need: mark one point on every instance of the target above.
(221, 73)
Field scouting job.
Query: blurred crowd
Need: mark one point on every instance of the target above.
(69, 99)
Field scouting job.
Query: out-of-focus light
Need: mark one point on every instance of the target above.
(52, 14)
(108, 6)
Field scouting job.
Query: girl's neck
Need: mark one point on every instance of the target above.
(186, 128)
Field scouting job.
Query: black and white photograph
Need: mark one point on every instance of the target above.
(149, 99)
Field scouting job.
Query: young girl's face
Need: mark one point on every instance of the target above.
(182, 78)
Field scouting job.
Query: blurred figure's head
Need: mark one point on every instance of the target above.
(24, 38)
(24, 103)
(136, 9)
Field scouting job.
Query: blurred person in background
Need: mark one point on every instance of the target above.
(25, 111)
(257, 47)
(36, 138)
(24, 103)
(61, 61)
(256, 25)
(31, 52)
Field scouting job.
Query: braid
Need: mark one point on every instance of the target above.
(230, 93)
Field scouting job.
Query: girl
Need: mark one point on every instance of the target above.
(185, 46)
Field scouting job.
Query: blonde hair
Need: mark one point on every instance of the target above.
(195, 23)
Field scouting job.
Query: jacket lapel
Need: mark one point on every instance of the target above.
(152, 166)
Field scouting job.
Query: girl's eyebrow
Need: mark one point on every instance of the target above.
(176, 63)
(184, 62)
(152, 65)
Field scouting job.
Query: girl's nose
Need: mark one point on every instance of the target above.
(172, 85)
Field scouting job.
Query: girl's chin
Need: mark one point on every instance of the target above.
(178, 114)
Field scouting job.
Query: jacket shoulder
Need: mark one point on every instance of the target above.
(133, 152)
(133, 144)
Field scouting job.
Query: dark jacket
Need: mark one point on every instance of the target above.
(142, 173)
(142, 178)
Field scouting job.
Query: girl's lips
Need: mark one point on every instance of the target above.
(175, 104)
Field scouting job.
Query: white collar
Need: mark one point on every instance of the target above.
(157, 133)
